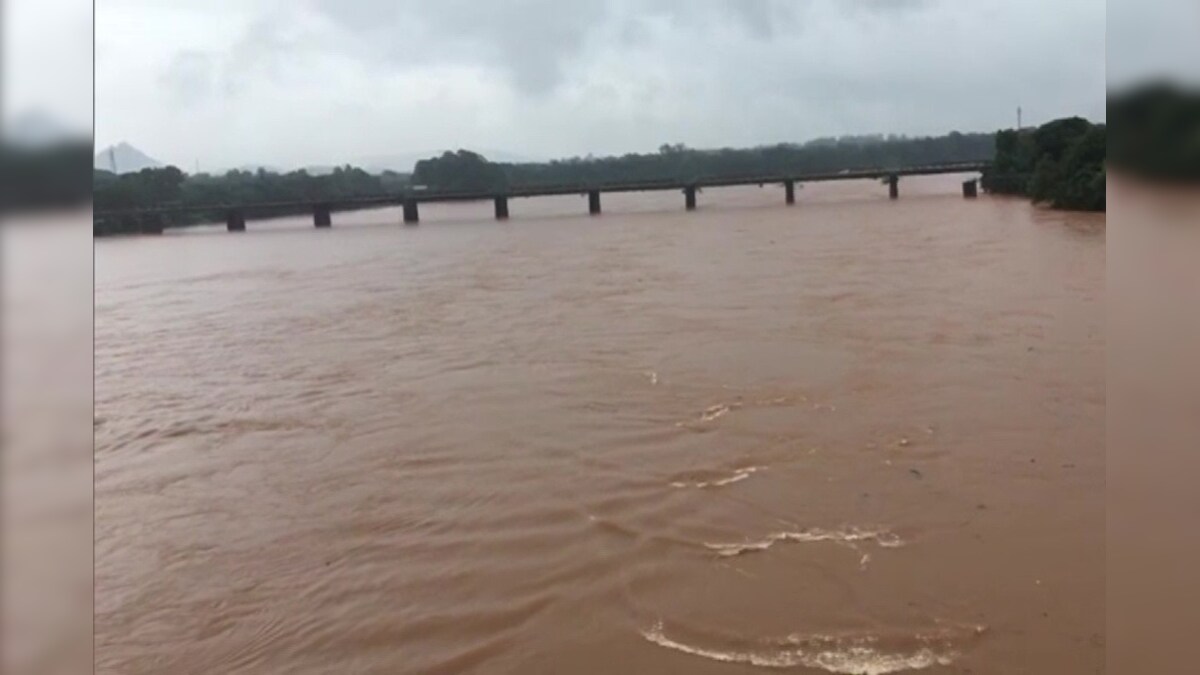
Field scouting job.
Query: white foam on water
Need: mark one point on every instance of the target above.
(741, 475)
(849, 537)
(709, 414)
(713, 412)
(854, 659)
(738, 475)
(867, 661)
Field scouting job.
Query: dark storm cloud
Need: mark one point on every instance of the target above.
(532, 39)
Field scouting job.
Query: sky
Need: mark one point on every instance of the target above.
(46, 61)
(294, 82)
(287, 83)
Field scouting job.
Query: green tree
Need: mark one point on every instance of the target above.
(1061, 163)
(462, 171)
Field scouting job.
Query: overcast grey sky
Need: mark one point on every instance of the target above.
(292, 82)
(46, 60)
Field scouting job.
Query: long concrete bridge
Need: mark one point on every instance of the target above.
(151, 220)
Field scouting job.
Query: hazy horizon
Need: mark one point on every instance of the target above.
(384, 161)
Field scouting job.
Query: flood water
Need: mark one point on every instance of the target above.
(849, 436)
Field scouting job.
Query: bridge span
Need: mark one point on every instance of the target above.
(151, 220)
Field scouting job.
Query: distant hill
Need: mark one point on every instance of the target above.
(124, 158)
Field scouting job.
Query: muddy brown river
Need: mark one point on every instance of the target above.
(848, 436)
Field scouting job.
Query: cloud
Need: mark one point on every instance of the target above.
(45, 66)
(189, 77)
(1151, 39)
(530, 40)
(324, 81)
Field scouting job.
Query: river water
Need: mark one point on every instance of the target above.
(849, 436)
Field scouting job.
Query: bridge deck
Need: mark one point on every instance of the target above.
(549, 190)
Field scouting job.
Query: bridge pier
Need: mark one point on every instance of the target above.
(235, 221)
(322, 216)
(594, 202)
(893, 182)
(501, 208)
(410, 211)
(689, 197)
(970, 189)
(789, 192)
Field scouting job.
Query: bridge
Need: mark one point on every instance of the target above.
(151, 220)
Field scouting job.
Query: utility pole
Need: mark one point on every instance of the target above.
(1018, 118)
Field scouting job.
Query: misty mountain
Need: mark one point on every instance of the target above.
(124, 158)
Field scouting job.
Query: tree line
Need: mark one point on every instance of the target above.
(168, 186)
(1156, 133)
(50, 177)
(677, 162)
(465, 171)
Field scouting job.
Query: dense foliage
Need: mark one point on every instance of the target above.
(1156, 131)
(1061, 163)
(53, 176)
(170, 186)
(679, 163)
(468, 171)
(462, 171)
(465, 171)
